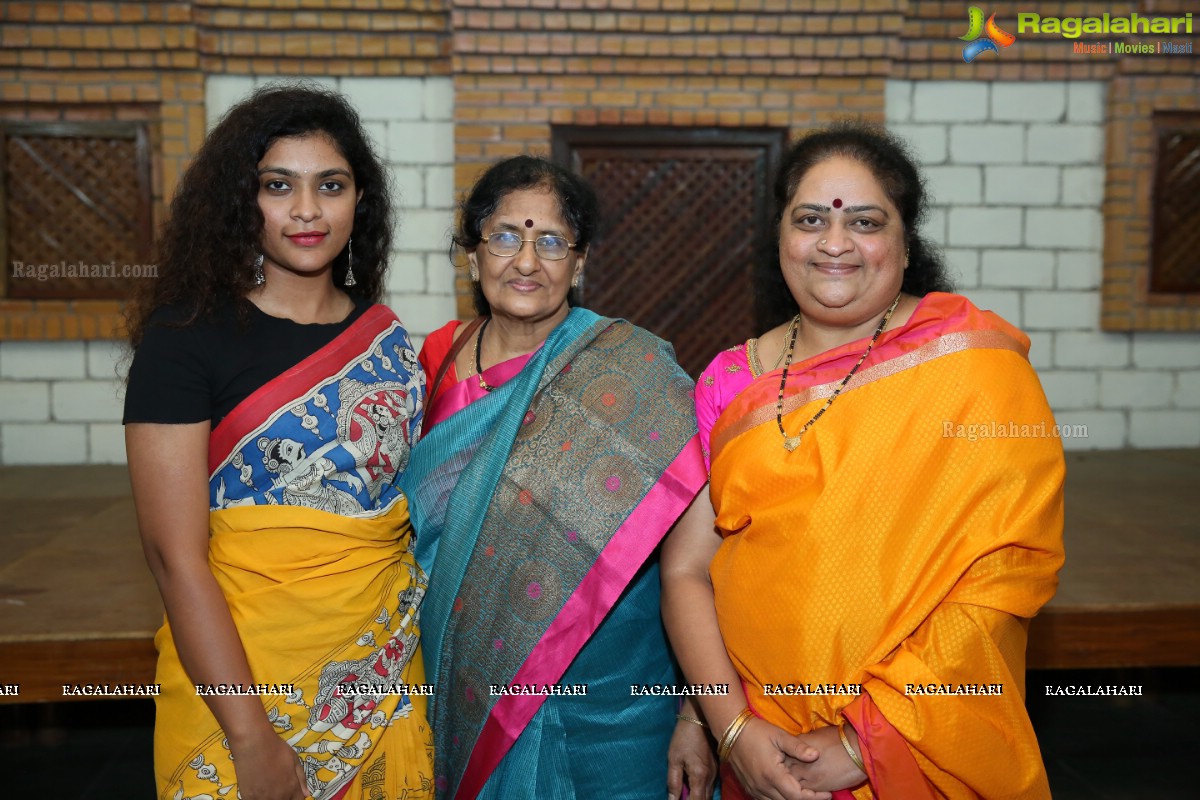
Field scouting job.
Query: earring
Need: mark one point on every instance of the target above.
(474, 275)
(575, 282)
(259, 277)
(349, 281)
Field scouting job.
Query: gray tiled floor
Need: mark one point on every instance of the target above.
(1098, 748)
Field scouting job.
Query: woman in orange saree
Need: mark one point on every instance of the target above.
(886, 512)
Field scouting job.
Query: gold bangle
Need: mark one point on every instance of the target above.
(693, 720)
(732, 733)
(858, 762)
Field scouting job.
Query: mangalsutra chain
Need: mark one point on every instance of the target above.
(790, 443)
(478, 367)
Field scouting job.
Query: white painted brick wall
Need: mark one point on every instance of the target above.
(1065, 144)
(1092, 349)
(1018, 268)
(987, 144)
(1028, 101)
(42, 360)
(60, 402)
(1187, 390)
(1030, 248)
(1061, 310)
(1068, 228)
(87, 401)
(1164, 428)
(25, 401)
(1022, 186)
(955, 185)
(930, 143)
(949, 101)
(964, 266)
(1041, 349)
(982, 225)
(106, 443)
(1167, 350)
(1085, 101)
(1105, 430)
(1071, 389)
(44, 443)
(1079, 269)
(1136, 389)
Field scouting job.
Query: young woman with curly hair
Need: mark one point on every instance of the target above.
(271, 405)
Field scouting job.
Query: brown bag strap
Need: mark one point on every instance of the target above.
(455, 349)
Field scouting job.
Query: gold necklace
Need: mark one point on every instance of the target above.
(791, 331)
(478, 367)
(790, 443)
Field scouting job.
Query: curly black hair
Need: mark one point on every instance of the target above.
(209, 242)
(890, 161)
(576, 202)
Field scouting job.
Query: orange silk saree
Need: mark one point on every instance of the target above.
(901, 548)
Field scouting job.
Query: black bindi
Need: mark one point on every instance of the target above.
(528, 223)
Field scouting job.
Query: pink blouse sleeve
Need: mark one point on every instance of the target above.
(719, 383)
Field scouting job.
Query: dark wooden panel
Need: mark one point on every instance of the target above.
(77, 209)
(684, 224)
(42, 668)
(1092, 639)
(1175, 246)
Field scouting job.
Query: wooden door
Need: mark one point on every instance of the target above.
(683, 245)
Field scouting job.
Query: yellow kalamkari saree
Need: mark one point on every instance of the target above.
(901, 548)
(310, 545)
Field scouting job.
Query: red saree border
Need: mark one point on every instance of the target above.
(892, 771)
(265, 400)
(583, 612)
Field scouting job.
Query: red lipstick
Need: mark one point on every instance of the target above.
(307, 238)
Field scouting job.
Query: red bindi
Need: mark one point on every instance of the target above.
(837, 202)
(528, 223)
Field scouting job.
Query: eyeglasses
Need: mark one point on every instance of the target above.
(508, 243)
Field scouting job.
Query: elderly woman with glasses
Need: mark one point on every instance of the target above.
(559, 448)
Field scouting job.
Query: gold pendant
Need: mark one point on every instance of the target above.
(790, 443)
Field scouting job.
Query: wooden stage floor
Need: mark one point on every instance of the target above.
(79, 605)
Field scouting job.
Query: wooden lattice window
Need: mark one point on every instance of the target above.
(685, 225)
(76, 208)
(1175, 246)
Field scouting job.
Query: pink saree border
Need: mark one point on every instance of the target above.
(455, 398)
(583, 612)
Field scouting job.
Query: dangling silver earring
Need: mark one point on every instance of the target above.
(259, 277)
(349, 265)
(575, 282)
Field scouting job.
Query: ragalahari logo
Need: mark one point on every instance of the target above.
(993, 41)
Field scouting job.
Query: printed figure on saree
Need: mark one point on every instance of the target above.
(343, 722)
(338, 448)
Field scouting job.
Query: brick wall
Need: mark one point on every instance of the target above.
(1039, 159)
(174, 65)
(1017, 173)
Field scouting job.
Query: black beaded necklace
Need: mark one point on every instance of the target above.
(790, 443)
